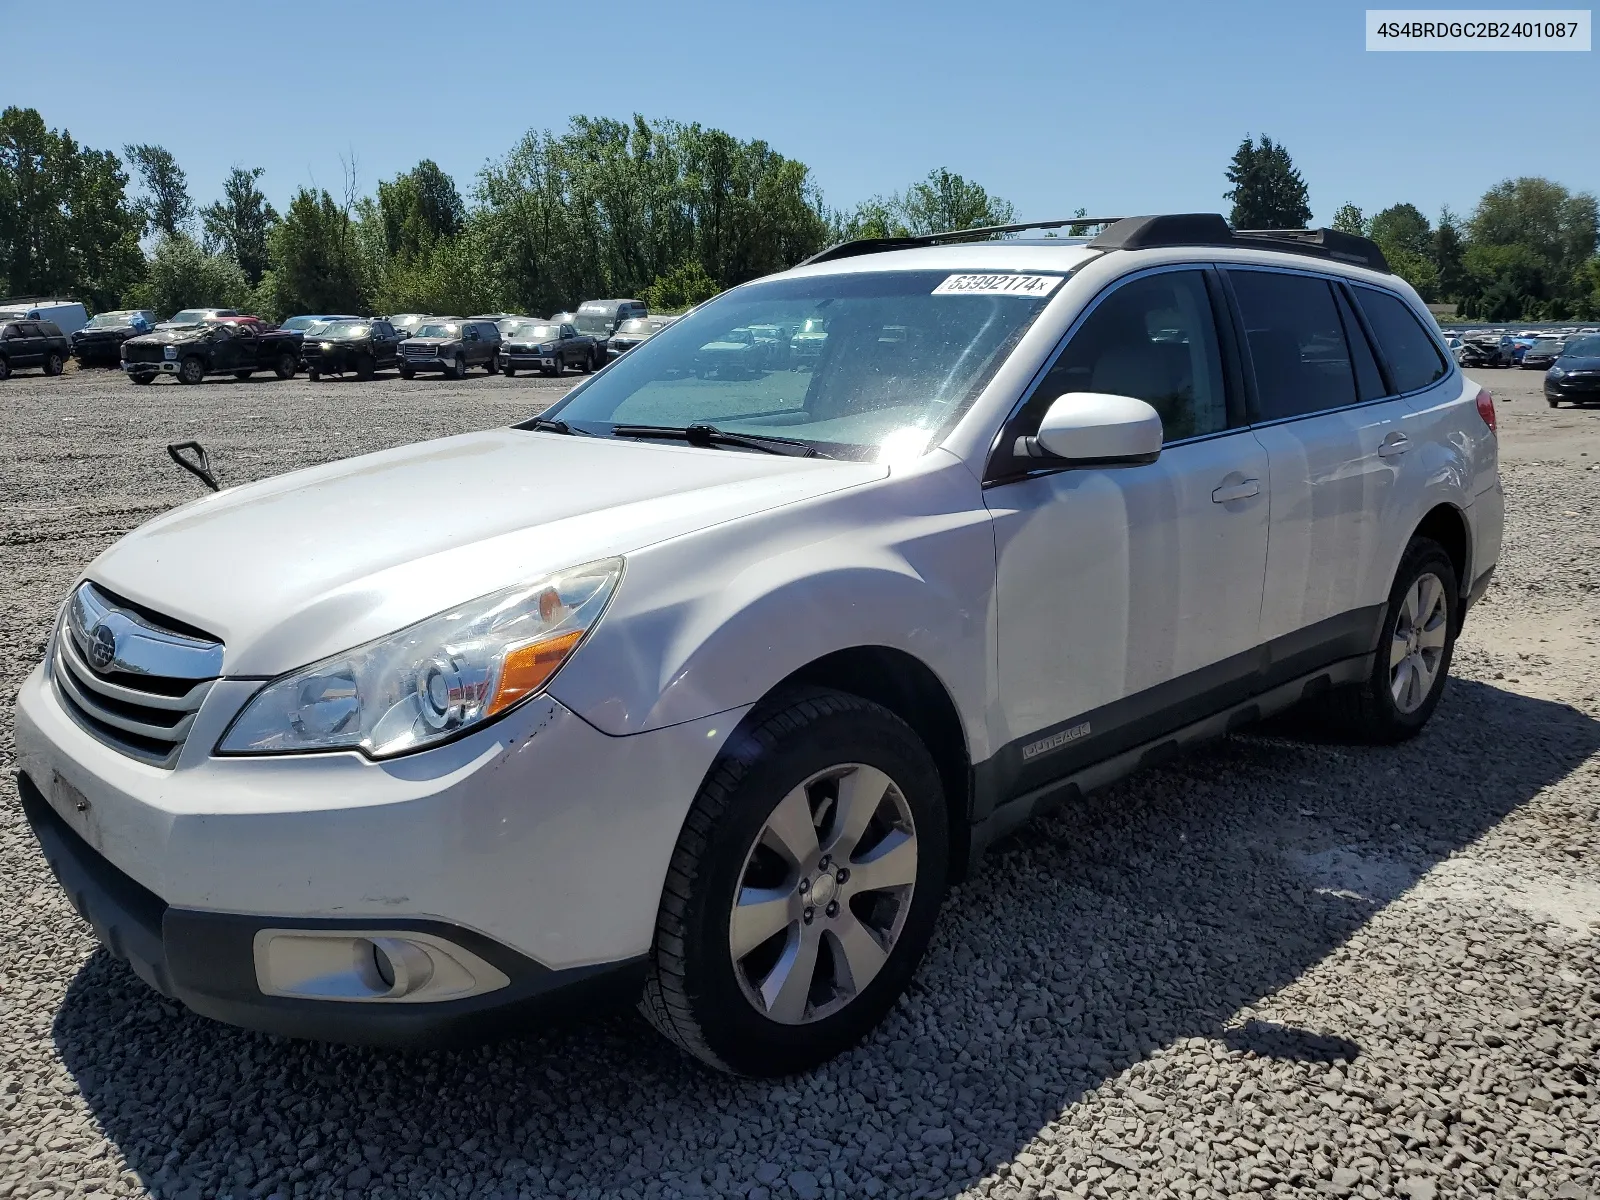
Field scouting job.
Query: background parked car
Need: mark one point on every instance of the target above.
(191, 352)
(193, 316)
(302, 323)
(100, 341)
(635, 331)
(1575, 375)
(552, 348)
(32, 344)
(602, 318)
(807, 342)
(359, 345)
(1541, 356)
(452, 346)
(66, 315)
(406, 323)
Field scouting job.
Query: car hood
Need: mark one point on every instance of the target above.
(292, 569)
(182, 333)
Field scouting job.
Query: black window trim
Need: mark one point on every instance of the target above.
(1231, 378)
(1383, 363)
(1428, 327)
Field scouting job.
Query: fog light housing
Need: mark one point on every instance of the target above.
(369, 965)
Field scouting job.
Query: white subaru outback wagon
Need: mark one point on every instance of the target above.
(702, 686)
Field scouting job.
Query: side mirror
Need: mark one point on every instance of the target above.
(1095, 429)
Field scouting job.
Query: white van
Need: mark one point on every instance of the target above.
(68, 315)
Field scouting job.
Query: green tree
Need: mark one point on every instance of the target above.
(1406, 239)
(1267, 192)
(166, 205)
(313, 250)
(1448, 248)
(65, 224)
(1348, 219)
(182, 275)
(239, 224)
(944, 200)
(419, 208)
(1529, 238)
(683, 287)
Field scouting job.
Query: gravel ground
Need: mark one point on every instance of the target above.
(1274, 967)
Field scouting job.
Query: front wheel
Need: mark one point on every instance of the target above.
(191, 370)
(1553, 403)
(407, 373)
(510, 371)
(1417, 640)
(313, 374)
(458, 369)
(144, 377)
(804, 887)
(54, 365)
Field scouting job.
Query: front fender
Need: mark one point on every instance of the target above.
(713, 620)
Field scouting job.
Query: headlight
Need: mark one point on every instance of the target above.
(546, 349)
(170, 351)
(432, 680)
(327, 347)
(1555, 372)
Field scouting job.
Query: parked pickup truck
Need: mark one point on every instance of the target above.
(550, 347)
(191, 352)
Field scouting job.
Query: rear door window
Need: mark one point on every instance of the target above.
(1409, 349)
(1297, 343)
(1369, 379)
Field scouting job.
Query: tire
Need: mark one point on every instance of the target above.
(458, 369)
(509, 371)
(702, 989)
(1372, 712)
(53, 365)
(313, 374)
(286, 366)
(5, 368)
(191, 370)
(365, 366)
(407, 373)
(587, 365)
(493, 365)
(143, 378)
(1552, 403)
(243, 374)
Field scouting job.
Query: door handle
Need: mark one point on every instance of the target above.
(1236, 491)
(1395, 443)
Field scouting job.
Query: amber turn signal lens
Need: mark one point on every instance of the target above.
(528, 667)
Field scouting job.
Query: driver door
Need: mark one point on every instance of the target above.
(1129, 598)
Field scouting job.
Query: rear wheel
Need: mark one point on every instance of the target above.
(493, 364)
(53, 364)
(365, 366)
(1414, 651)
(191, 370)
(803, 890)
(286, 366)
(5, 368)
(587, 365)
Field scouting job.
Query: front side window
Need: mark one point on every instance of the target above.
(1297, 345)
(1413, 357)
(906, 354)
(1154, 339)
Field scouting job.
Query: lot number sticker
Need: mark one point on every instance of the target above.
(998, 285)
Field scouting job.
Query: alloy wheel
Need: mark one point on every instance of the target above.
(824, 894)
(1417, 648)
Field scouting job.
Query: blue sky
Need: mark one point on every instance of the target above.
(1121, 108)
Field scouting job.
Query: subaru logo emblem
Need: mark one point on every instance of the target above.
(102, 647)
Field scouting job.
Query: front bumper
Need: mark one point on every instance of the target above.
(166, 366)
(207, 960)
(538, 843)
(518, 358)
(1583, 388)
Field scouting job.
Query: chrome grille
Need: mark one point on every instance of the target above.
(132, 682)
(411, 351)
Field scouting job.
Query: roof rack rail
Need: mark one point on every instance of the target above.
(911, 242)
(1209, 229)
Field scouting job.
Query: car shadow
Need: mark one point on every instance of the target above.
(1150, 913)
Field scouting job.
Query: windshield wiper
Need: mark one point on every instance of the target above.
(710, 435)
(554, 425)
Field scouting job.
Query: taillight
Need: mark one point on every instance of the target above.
(1486, 408)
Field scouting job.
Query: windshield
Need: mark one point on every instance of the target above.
(1546, 346)
(342, 329)
(190, 316)
(594, 320)
(110, 320)
(294, 323)
(906, 352)
(438, 331)
(533, 331)
(635, 325)
(1583, 347)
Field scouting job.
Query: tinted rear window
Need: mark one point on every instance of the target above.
(1413, 356)
(1297, 347)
